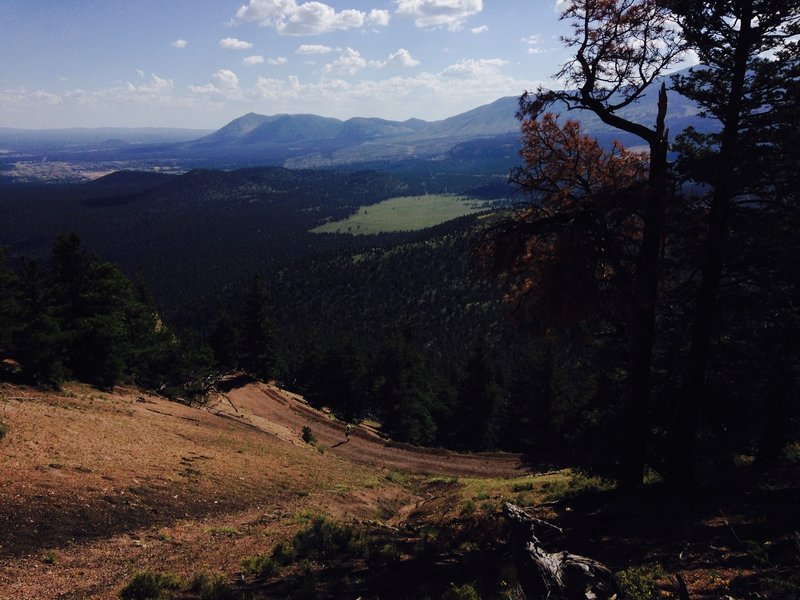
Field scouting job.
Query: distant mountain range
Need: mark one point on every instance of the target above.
(485, 138)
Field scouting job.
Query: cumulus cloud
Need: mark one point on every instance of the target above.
(402, 58)
(225, 82)
(230, 43)
(475, 69)
(306, 18)
(179, 44)
(155, 85)
(256, 59)
(226, 79)
(377, 17)
(349, 63)
(481, 29)
(281, 60)
(313, 49)
(429, 14)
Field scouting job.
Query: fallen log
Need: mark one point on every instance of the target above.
(558, 575)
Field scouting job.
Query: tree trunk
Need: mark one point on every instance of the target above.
(714, 257)
(554, 576)
(645, 295)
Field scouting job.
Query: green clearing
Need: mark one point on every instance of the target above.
(405, 213)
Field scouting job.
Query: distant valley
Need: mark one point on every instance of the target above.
(482, 140)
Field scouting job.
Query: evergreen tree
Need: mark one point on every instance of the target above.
(258, 352)
(405, 394)
(747, 82)
(481, 403)
(39, 341)
(8, 303)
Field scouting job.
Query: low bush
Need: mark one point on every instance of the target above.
(641, 583)
(324, 539)
(212, 587)
(260, 566)
(148, 585)
(308, 435)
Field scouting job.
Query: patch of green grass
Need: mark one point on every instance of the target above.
(212, 587)
(467, 508)
(578, 484)
(149, 585)
(49, 557)
(406, 213)
(641, 583)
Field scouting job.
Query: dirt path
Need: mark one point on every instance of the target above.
(284, 415)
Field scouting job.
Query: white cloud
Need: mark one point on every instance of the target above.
(377, 17)
(475, 69)
(392, 97)
(533, 42)
(349, 63)
(225, 83)
(281, 60)
(479, 30)
(179, 44)
(226, 79)
(155, 85)
(313, 49)
(140, 73)
(430, 14)
(234, 44)
(256, 59)
(402, 58)
(306, 18)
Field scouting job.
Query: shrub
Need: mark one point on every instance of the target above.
(212, 587)
(283, 554)
(260, 566)
(464, 591)
(323, 539)
(147, 585)
(308, 435)
(579, 484)
(641, 583)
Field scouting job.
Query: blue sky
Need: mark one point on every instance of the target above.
(202, 63)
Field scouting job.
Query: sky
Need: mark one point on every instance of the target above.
(203, 63)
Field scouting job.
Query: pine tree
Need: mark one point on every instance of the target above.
(749, 67)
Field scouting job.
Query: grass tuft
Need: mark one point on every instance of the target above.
(148, 585)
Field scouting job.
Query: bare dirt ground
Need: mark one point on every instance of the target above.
(285, 415)
(97, 486)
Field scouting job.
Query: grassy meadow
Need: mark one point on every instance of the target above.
(404, 213)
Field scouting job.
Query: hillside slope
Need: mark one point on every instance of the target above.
(106, 485)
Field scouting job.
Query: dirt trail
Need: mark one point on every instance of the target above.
(284, 415)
